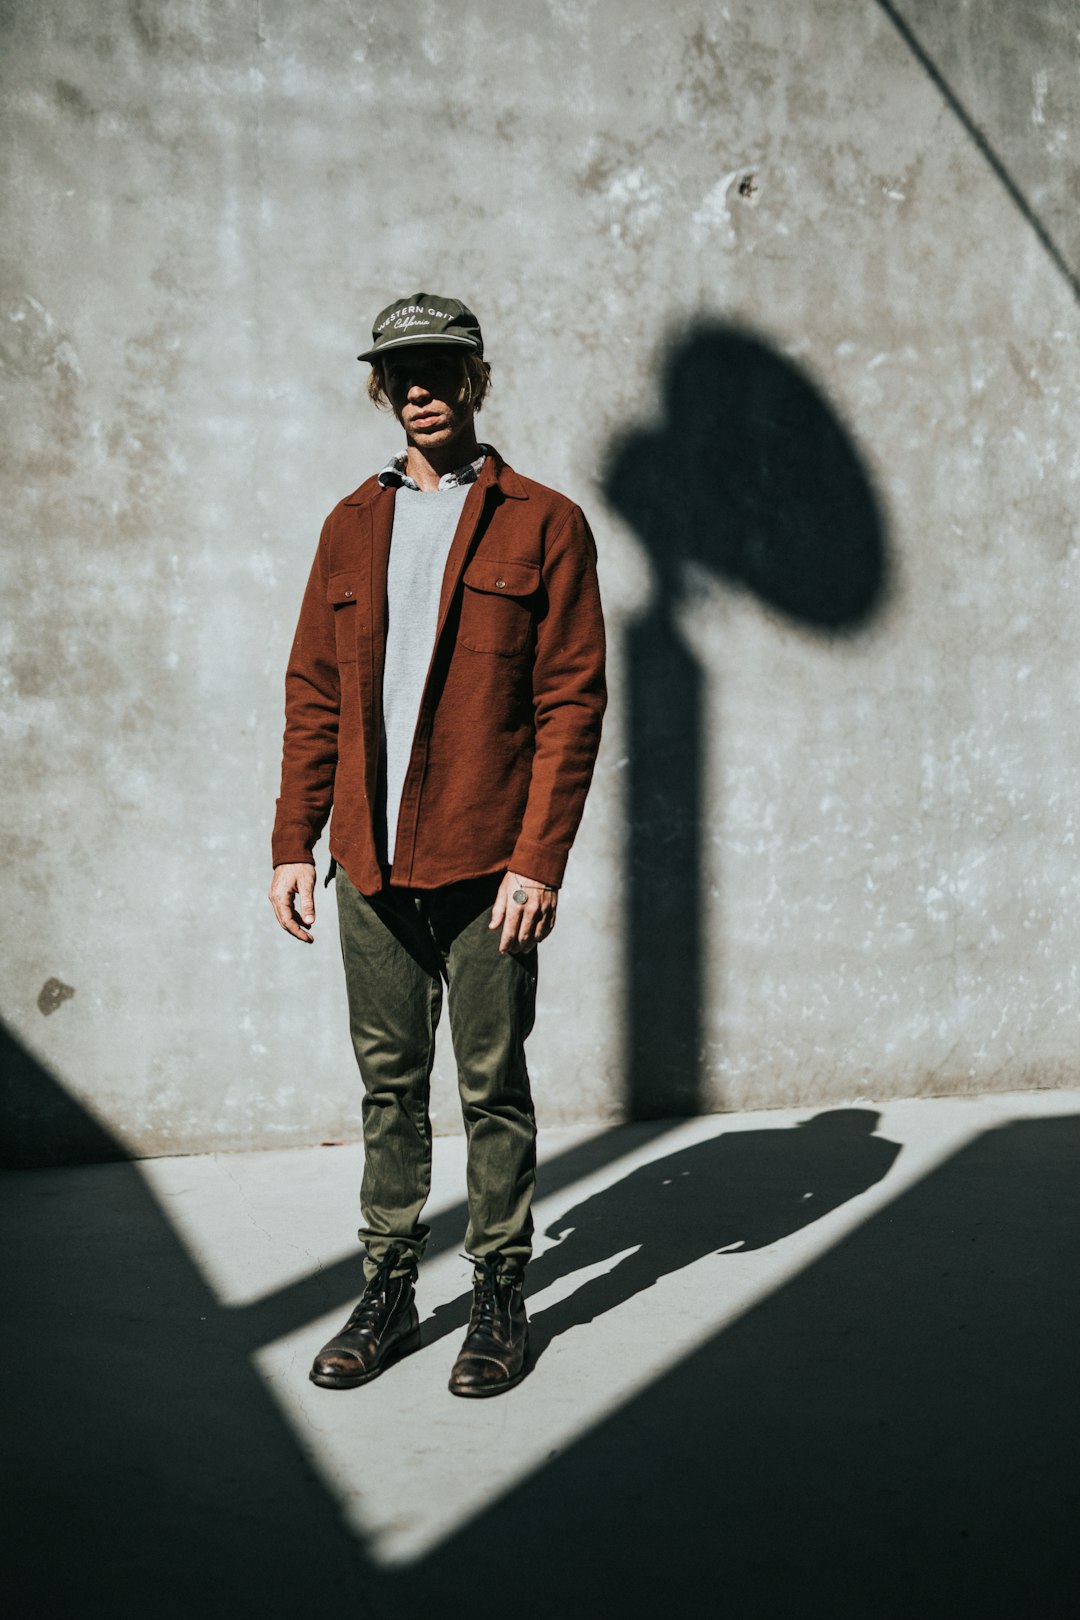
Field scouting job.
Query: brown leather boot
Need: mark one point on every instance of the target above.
(493, 1356)
(384, 1325)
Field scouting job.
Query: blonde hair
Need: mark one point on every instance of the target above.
(475, 382)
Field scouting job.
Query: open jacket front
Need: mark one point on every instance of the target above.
(510, 717)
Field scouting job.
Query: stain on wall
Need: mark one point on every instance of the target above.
(53, 994)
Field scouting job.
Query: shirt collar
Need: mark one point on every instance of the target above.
(394, 476)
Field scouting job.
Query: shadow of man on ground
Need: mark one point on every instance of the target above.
(740, 1190)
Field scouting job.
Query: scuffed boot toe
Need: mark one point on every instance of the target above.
(384, 1326)
(338, 1369)
(493, 1357)
(486, 1375)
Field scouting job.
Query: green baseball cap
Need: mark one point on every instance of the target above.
(424, 318)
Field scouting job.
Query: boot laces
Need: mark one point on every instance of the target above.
(374, 1299)
(486, 1302)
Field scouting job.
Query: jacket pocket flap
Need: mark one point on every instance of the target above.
(503, 578)
(341, 588)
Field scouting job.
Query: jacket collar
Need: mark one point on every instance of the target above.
(495, 471)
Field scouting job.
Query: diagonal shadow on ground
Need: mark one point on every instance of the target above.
(890, 1435)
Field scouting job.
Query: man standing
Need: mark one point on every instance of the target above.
(444, 694)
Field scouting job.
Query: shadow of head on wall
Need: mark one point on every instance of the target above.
(749, 477)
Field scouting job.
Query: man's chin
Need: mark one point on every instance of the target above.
(437, 438)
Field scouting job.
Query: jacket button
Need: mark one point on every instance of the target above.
(348, 593)
(501, 584)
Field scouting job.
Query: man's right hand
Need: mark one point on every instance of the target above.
(292, 895)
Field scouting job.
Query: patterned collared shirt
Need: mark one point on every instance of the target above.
(393, 475)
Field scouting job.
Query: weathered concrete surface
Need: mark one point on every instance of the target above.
(873, 865)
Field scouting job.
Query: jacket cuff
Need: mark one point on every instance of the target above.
(539, 861)
(287, 851)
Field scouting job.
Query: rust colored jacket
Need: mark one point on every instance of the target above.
(509, 721)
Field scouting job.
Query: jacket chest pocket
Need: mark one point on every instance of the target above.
(498, 606)
(341, 593)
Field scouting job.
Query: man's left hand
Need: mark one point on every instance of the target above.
(523, 924)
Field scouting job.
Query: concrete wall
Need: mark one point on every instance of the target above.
(785, 296)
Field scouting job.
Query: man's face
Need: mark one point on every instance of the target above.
(425, 387)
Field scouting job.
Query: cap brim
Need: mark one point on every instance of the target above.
(429, 340)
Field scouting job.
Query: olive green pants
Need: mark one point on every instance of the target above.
(399, 948)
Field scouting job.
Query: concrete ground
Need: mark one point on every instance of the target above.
(803, 1363)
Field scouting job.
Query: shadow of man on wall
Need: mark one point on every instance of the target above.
(749, 477)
